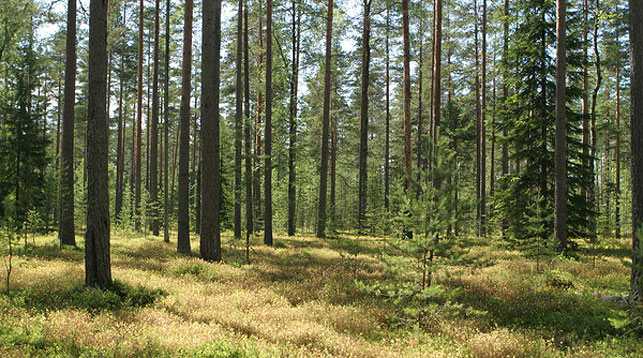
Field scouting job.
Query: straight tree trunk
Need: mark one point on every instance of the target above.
(505, 90)
(258, 121)
(560, 163)
(210, 248)
(153, 131)
(247, 131)
(67, 229)
(120, 154)
(436, 86)
(617, 154)
(478, 127)
(139, 121)
(267, 179)
(363, 133)
(183, 240)
(388, 112)
(97, 256)
(237, 124)
(333, 174)
(584, 96)
(407, 94)
(292, 128)
(483, 134)
(636, 116)
(597, 87)
(166, 127)
(323, 172)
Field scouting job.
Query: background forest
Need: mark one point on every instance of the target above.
(348, 178)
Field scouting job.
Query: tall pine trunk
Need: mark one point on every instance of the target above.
(267, 179)
(483, 118)
(66, 223)
(153, 131)
(323, 172)
(237, 124)
(560, 162)
(292, 128)
(436, 86)
(636, 115)
(166, 127)
(388, 111)
(407, 94)
(139, 121)
(247, 131)
(183, 241)
(363, 133)
(210, 248)
(97, 256)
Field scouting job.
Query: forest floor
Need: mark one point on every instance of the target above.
(301, 298)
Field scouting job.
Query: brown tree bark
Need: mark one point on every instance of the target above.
(238, 124)
(97, 255)
(617, 155)
(247, 132)
(210, 248)
(363, 133)
(139, 121)
(166, 127)
(183, 240)
(560, 162)
(66, 229)
(636, 117)
(267, 179)
(599, 78)
(153, 131)
(292, 128)
(323, 172)
(483, 118)
(387, 139)
(407, 94)
(436, 86)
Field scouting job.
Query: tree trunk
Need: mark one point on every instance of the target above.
(323, 172)
(597, 87)
(210, 248)
(478, 127)
(363, 133)
(483, 134)
(258, 144)
(388, 112)
(66, 229)
(120, 154)
(292, 128)
(436, 86)
(237, 125)
(247, 131)
(636, 43)
(407, 94)
(267, 179)
(560, 163)
(166, 127)
(584, 96)
(97, 260)
(139, 121)
(617, 154)
(153, 131)
(183, 240)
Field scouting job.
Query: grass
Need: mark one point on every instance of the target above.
(301, 299)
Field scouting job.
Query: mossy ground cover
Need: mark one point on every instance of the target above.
(302, 299)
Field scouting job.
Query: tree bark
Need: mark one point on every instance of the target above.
(617, 154)
(267, 179)
(166, 128)
(597, 87)
(292, 128)
(363, 133)
(153, 131)
(183, 240)
(139, 121)
(247, 132)
(560, 163)
(97, 255)
(436, 86)
(323, 172)
(237, 124)
(388, 111)
(407, 94)
(636, 117)
(210, 248)
(66, 223)
(483, 118)
(478, 128)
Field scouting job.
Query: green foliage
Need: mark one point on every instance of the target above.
(119, 296)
